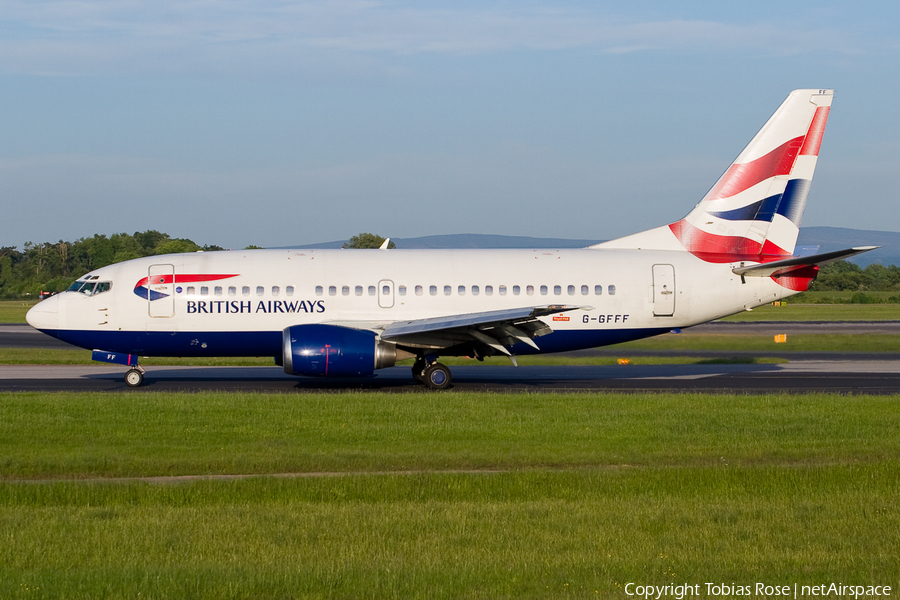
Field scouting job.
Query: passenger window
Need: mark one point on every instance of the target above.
(529, 290)
(488, 290)
(217, 290)
(371, 290)
(345, 291)
(245, 291)
(612, 290)
(475, 290)
(461, 290)
(232, 291)
(289, 290)
(584, 290)
(543, 290)
(571, 290)
(502, 290)
(260, 290)
(358, 290)
(319, 290)
(419, 290)
(401, 290)
(385, 290)
(276, 290)
(557, 290)
(598, 290)
(190, 290)
(432, 290)
(204, 290)
(447, 290)
(332, 290)
(516, 290)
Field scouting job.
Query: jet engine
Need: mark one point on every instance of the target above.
(334, 351)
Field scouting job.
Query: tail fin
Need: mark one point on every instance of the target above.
(753, 212)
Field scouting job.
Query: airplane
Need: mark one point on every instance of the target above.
(347, 313)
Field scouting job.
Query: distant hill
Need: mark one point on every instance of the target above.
(838, 238)
(826, 238)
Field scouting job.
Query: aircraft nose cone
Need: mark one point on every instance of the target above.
(45, 314)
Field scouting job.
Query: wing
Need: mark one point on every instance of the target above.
(498, 329)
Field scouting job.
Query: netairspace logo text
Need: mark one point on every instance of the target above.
(758, 590)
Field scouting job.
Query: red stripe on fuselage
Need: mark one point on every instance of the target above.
(183, 279)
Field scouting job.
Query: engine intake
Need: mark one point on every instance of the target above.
(334, 351)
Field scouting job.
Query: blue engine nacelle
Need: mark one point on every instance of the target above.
(334, 351)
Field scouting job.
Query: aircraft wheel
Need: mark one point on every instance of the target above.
(418, 370)
(134, 378)
(437, 377)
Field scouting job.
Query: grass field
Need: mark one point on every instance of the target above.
(443, 496)
(821, 312)
(13, 311)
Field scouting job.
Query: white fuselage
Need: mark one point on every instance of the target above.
(237, 303)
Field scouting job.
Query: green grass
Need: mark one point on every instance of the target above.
(816, 342)
(594, 491)
(821, 312)
(13, 311)
(145, 434)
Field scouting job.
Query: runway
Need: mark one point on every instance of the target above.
(843, 376)
(850, 373)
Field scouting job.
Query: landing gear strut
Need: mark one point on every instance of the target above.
(135, 376)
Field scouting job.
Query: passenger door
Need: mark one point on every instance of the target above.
(663, 290)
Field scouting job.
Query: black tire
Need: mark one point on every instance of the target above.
(134, 378)
(437, 377)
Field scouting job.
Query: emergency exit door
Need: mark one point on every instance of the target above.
(663, 290)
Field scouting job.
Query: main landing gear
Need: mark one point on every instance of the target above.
(134, 376)
(434, 375)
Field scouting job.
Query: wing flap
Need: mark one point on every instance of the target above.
(513, 316)
(497, 330)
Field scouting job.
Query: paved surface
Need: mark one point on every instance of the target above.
(877, 373)
(853, 376)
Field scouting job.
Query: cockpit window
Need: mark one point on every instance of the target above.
(90, 287)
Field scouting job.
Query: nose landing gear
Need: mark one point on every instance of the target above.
(134, 376)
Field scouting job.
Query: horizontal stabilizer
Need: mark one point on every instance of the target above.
(770, 269)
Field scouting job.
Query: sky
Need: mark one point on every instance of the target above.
(278, 122)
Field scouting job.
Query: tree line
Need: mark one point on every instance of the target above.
(52, 267)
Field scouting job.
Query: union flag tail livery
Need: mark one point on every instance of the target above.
(348, 313)
(753, 211)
